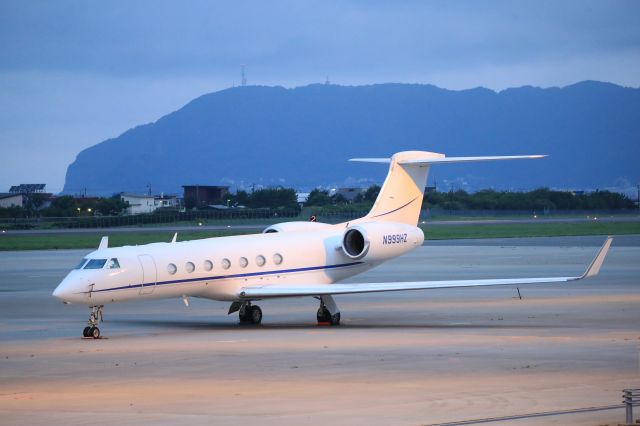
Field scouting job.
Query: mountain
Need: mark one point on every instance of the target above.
(302, 137)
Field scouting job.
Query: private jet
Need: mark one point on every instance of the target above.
(286, 260)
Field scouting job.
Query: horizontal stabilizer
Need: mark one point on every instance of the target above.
(468, 159)
(371, 160)
(299, 290)
(439, 160)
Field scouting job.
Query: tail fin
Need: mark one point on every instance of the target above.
(400, 198)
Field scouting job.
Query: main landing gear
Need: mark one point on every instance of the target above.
(328, 312)
(250, 314)
(95, 316)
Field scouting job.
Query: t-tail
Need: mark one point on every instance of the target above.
(400, 198)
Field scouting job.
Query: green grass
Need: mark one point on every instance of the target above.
(511, 230)
(439, 232)
(91, 240)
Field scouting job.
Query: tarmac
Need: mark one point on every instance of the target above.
(414, 358)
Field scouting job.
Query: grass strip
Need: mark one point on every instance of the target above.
(440, 232)
(448, 232)
(91, 240)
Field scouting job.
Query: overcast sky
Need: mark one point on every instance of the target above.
(74, 73)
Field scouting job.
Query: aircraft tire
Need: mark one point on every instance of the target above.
(335, 319)
(94, 332)
(323, 315)
(246, 317)
(85, 332)
(256, 314)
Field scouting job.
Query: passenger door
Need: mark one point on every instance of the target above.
(149, 274)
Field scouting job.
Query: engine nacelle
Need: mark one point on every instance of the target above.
(296, 227)
(378, 241)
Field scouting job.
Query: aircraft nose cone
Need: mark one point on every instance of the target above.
(68, 291)
(61, 291)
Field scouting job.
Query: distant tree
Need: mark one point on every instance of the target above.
(240, 198)
(13, 212)
(371, 194)
(64, 206)
(33, 202)
(318, 198)
(112, 206)
(339, 199)
(538, 199)
(273, 198)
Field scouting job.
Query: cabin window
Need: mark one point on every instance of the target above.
(260, 260)
(95, 264)
(113, 264)
(208, 265)
(190, 267)
(81, 264)
(226, 263)
(171, 268)
(277, 258)
(244, 262)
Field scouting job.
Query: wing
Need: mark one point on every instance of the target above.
(297, 290)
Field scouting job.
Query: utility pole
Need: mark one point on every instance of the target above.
(244, 77)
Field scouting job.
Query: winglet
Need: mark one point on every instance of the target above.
(175, 237)
(597, 262)
(104, 243)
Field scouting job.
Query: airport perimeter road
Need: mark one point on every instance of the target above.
(414, 358)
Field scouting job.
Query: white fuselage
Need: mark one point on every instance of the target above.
(199, 267)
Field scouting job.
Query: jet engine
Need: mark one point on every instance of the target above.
(378, 241)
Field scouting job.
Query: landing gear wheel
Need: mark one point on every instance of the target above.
(245, 315)
(256, 314)
(335, 319)
(323, 316)
(94, 332)
(95, 317)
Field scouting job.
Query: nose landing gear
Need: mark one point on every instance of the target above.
(91, 331)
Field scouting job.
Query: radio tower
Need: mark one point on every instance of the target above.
(244, 78)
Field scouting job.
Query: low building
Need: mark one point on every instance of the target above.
(201, 196)
(166, 201)
(11, 200)
(28, 188)
(138, 203)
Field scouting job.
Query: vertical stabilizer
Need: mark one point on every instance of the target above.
(400, 198)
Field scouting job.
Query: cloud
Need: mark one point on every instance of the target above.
(73, 73)
(292, 38)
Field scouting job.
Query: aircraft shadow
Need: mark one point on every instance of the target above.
(199, 325)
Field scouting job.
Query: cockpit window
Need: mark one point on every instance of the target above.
(95, 264)
(113, 264)
(81, 264)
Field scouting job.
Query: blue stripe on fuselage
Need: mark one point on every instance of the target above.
(222, 277)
